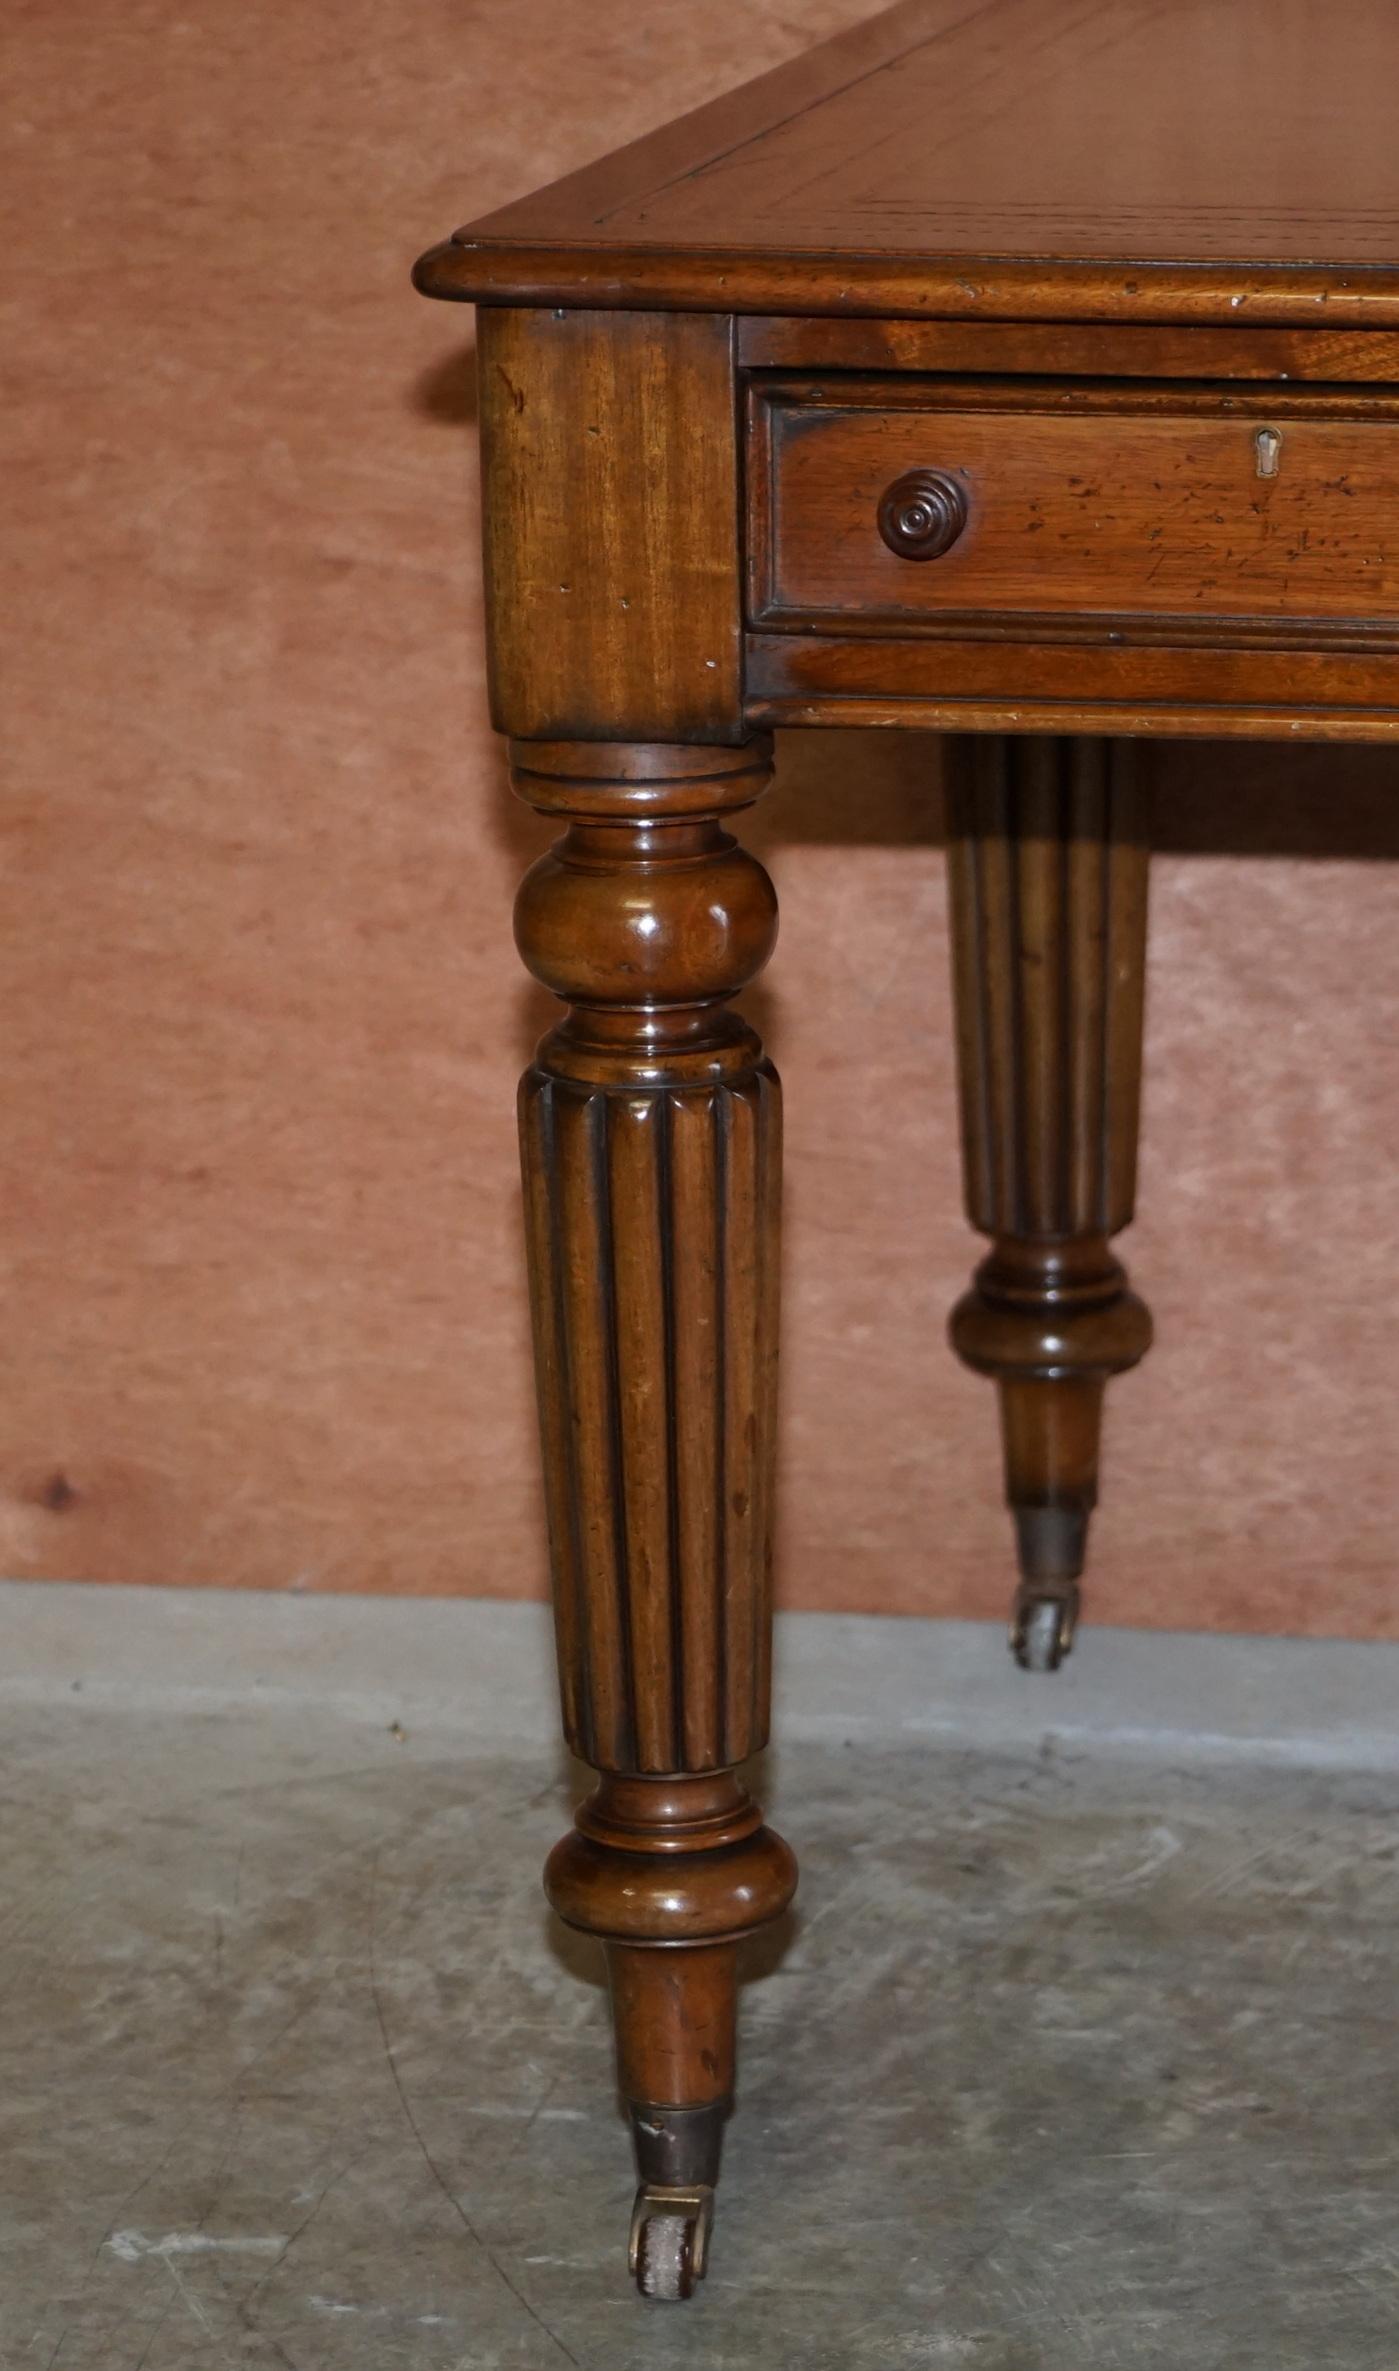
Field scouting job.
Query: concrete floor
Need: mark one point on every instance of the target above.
(1069, 2060)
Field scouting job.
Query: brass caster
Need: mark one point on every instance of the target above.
(1042, 1632)
(670, 2238)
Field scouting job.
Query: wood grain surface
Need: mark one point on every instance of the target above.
(611, 524)
(1024, 157)
(1087, 507)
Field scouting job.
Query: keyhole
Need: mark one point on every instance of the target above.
(1267, 451)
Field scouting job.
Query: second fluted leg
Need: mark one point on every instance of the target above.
(1048, 872)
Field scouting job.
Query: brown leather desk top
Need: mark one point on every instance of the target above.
(1204, 160)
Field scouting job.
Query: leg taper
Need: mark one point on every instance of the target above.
(650, 1130)
(1048, 870)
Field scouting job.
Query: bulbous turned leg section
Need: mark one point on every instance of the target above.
(1048, 864)
(650, 1131)
(671, 1874)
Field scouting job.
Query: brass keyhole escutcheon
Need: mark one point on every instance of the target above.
(1267, 451)
(922, 514)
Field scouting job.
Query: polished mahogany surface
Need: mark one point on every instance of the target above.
(1191, 507)
(1021, 158)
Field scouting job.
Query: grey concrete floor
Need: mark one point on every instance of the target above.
(1067, 2062)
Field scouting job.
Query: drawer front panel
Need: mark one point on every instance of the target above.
(1082, 513)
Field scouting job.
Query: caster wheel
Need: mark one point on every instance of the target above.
(1043, 1635)
(670, 2239)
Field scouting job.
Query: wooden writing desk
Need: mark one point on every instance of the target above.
(1025, 371)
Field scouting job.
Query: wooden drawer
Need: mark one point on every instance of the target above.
(1086, 512)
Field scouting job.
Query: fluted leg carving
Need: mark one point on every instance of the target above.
(1048, 875)
(650, 1133)
(654, 1233)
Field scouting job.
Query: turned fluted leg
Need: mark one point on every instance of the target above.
(1048, 872)
(650, 1132)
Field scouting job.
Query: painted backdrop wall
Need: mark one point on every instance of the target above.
(263, 1315)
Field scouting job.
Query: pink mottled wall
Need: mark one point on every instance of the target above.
(263, 1318)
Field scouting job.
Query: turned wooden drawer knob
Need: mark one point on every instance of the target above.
(922, 514)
